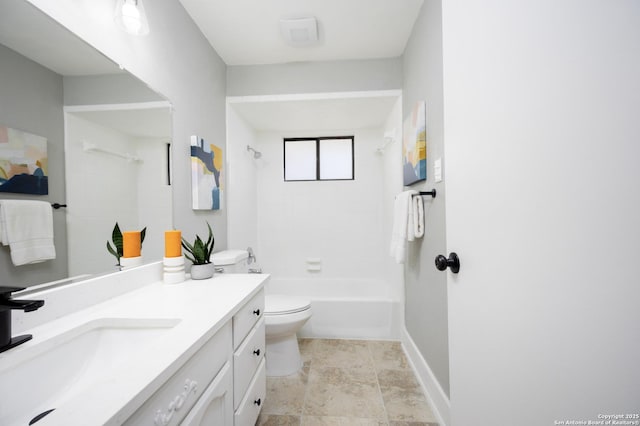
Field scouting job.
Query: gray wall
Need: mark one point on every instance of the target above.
(31, 100)
(426, 287)
(107, 89)
(314, 77)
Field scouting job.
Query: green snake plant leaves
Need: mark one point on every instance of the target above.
(199, 252)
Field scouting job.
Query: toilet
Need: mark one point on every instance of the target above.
(284, 315)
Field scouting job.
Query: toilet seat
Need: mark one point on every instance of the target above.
(285, 305)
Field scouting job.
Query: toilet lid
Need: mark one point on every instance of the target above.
(280, 304)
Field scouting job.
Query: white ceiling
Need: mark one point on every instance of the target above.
(246, 31)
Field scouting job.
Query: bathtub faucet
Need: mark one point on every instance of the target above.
(6, 306)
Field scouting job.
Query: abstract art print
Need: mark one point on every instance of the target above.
(414, 145)
(23, 162)
(206, 175)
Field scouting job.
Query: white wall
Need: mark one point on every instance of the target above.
(95, 195)
(339, 222)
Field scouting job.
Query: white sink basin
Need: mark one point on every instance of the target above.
(40, 376)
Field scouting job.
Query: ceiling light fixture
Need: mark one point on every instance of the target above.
(299, 32)
(131, 18)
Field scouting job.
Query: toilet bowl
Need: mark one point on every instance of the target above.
(284, 316)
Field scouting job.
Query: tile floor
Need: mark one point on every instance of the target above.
(347, 382)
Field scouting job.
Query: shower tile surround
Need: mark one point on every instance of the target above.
(347, 382)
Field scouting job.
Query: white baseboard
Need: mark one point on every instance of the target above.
(436, 397)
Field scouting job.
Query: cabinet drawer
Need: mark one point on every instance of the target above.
(246, 360)
(246, 317)
(215, 407)
(172, 402)
(249, 409)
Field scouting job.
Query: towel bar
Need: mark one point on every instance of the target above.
(432, 193)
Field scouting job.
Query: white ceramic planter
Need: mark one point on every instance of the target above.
(202, 272)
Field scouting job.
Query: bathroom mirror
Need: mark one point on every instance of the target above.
(108, 144)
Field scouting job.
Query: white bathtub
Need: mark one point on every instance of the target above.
(347, 309)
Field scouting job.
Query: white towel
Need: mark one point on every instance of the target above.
(27, 228)
(417, 210)
(399, 235)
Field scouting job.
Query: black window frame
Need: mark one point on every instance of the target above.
(318, 140)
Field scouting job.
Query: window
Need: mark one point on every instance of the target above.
(326, 158)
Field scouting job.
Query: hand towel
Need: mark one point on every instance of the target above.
(418, 216)
(399, 235)
(410, 214)
(27, 228)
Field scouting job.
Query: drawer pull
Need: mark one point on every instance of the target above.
(256, 312)
(256, 352)
(257, 402)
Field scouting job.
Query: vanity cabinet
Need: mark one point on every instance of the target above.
(236, 396)
(224, 383)
(197, 377)
(249, 378)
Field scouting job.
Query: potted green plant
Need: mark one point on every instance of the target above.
(116, 238)
(199, 253)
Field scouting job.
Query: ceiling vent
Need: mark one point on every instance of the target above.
(299, 32)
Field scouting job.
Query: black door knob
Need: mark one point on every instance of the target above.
(453, 262)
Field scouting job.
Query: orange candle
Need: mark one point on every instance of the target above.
(131, 244)
(172, 244)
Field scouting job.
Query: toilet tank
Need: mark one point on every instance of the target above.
(231, 261)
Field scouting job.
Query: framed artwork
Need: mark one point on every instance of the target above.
(206, 175)
(23, 162)
(414, 145)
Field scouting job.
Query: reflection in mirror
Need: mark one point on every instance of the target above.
(107, 140)
(117, 170)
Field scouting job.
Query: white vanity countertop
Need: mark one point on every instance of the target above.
(202, 307)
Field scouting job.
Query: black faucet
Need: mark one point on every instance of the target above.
(6, 305)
